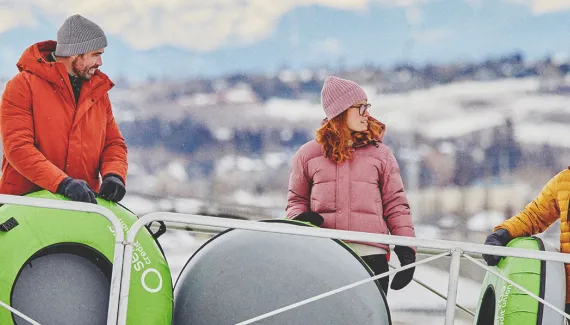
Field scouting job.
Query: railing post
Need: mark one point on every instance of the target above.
(452, 285)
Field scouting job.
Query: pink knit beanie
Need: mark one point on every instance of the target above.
(339, 94)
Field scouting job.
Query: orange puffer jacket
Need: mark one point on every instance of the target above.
(551, 204)
(46, 136)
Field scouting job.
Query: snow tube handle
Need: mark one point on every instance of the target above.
(9, 225)
(161, 229)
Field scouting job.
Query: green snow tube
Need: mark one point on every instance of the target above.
(501, 303)
(55, 267)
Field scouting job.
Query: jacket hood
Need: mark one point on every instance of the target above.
(34, 60)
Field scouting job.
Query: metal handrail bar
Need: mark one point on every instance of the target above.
(455, 248)
(26, 318)
(443, 245)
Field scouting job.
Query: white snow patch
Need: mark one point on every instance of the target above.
(286, 134)
(448, 221)
(294, 110)
(135, 170)
(223, 134)
(198, 100)
(139, 205)
(242, 197)
(240, 94)
(190, 206)
(428, 231)
(543, 133)
(231, 163)
(462, 125)
(275, 159)
(249, 165)
(165, 205)
(177, 170)
(485, 221)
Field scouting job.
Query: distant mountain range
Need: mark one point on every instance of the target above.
(312, 34)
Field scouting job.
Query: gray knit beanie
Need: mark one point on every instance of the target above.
(79, 35)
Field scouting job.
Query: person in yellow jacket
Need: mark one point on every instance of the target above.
(550, 205)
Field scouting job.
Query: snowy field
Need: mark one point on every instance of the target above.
(449, 111)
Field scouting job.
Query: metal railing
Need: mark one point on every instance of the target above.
(121, 272)
(112, 313)
(450, 248)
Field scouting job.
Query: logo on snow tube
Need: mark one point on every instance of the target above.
(140, 261)
(505, 291)
(143, 280)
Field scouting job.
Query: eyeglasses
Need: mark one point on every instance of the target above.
(362, 109)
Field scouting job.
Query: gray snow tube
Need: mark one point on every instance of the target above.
(241, 274)
(56, 278)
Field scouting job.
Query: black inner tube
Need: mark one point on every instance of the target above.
(487, 309)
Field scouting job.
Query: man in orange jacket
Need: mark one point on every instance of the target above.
(550, 205)
(58, 130)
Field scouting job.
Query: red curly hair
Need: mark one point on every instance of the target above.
(337, 139)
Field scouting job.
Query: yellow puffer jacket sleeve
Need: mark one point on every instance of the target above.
(539, 214)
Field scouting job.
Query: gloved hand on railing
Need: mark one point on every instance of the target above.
(501, 237)
(112, 188)
(406, 255)
(312, 217)
(76, 190)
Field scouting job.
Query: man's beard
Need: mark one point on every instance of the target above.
(82, 73)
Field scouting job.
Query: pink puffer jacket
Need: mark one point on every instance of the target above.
(365, 193)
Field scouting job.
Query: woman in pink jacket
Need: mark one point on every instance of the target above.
(348, 179)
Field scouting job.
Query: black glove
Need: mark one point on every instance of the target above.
(76, 190)
(501, 237)
(112, 188)
(406, 255)
(312, 217)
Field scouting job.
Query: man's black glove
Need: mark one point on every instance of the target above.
(501, 237)
(312, 217)
(112, 188)
(76, 190)
(406, 255)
